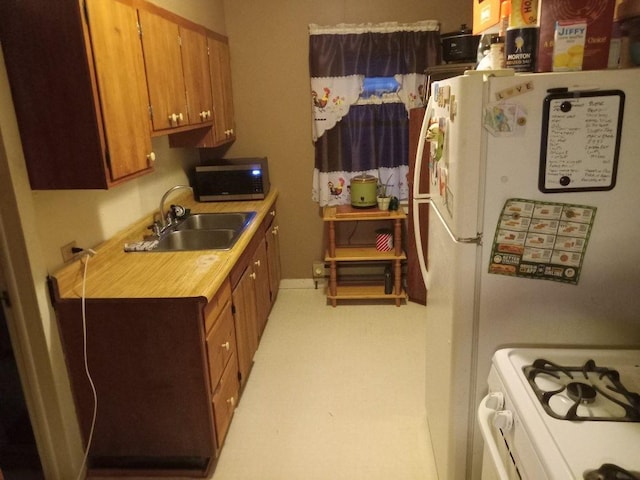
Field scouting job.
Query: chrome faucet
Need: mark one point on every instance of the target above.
(165, 221)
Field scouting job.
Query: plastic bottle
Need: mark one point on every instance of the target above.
(497, 54)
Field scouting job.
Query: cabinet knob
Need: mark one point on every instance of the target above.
(253, 275)
(231, 401)
(257, 263)
(225, 345)
(275, 229)
(151, 157)
(180, 117)
(173, 118)
(272, 213)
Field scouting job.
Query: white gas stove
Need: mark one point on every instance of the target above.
(556, 413)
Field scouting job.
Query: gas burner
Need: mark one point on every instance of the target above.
(586, 392)
(581, 392)
(609, 471)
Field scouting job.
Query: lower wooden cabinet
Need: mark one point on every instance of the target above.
(168, 371)
(225, 398)
(246, 325)
(148, 362)
(272, 237)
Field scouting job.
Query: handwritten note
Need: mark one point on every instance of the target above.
(580, 141)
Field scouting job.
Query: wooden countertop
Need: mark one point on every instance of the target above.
(114, 273)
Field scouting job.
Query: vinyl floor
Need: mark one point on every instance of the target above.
(334, 394)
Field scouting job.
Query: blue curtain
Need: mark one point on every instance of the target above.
(369, 137)
(372, 137)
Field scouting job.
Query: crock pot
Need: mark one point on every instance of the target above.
(363, 191)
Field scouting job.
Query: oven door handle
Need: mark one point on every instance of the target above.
(485, 415)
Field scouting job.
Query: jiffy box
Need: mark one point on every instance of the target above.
(599, 18)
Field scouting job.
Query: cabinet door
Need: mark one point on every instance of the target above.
(221, 344)
(225, 399)
(197, 76)
(223, 113)
(119, 67)
(244, 315)
(261, 285)
(163, 64)
(273, 255)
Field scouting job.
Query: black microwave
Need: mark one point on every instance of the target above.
(231, 179)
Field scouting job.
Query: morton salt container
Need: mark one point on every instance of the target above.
(520, 48)
(522, 36)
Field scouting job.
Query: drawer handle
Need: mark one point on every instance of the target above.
(231, 401)
(225, 346)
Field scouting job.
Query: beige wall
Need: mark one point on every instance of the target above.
(269, 60)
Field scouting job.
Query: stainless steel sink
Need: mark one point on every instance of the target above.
(206, 231)
(212, 221)
(219, 239)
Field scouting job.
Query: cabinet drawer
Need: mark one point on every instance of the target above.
(221, 344)
(225, 399)
(217, 303)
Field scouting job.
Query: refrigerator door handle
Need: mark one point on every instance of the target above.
(419, 198)
(472, 240)
(418, 237)
(420, 150)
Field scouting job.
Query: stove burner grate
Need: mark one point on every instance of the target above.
(582, 386)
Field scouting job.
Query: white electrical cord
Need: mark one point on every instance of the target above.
(88, 254)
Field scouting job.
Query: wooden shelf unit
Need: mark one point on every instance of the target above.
(338, 289)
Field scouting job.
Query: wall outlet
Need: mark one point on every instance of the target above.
(67, 253)
(318, 269)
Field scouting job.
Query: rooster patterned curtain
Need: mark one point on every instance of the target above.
(364, 81)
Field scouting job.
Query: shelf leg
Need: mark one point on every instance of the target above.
(333, 281)
(397, 278)
(397, 236)
(332, 239)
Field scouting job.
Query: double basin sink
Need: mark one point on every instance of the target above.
(206, 231)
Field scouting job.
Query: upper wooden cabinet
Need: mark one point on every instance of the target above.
(163, 63)
(78, 83)
(177, 66)
(195, 65)
(220, 65)
(223, 129)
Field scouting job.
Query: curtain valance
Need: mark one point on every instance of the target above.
(373, 50)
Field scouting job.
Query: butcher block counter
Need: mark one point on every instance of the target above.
(169, 340)
(114, 273)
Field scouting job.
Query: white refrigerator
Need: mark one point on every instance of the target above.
(564, 254)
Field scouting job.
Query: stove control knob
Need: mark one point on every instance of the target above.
(503, 420)
(495, 401)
